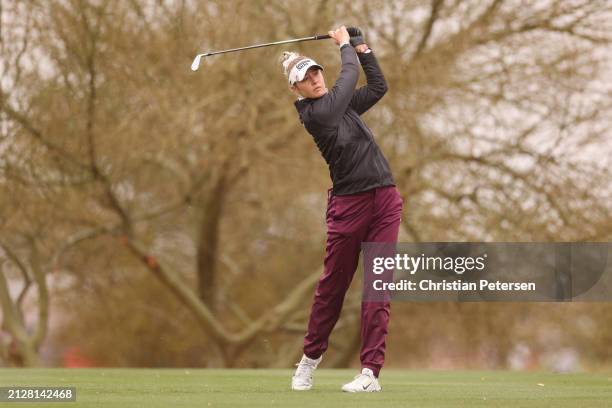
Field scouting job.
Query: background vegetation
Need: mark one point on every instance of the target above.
(152, 216)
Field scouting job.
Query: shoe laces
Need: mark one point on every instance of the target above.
(362, 377)
(304, 368)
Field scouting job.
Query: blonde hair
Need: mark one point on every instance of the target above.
(288, 59)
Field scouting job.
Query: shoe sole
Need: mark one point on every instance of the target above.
(355, 391)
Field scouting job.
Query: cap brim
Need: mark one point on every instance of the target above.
(302, 72)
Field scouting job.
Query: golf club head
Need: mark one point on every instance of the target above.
(196, 62)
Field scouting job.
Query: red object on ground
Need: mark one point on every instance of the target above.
(73, 357)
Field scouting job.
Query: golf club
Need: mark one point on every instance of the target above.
(353, 32)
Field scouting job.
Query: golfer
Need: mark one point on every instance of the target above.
(362, 206)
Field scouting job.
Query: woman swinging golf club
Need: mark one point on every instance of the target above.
(363, 204)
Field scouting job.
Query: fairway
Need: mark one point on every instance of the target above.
(264, 388)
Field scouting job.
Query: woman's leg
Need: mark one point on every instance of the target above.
(348, 218)
(374, 314)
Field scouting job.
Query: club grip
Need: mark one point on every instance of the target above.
(353, 32)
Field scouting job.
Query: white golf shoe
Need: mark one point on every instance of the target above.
(364, 382)
(302, 379)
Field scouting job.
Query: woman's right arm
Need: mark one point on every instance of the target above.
(329, 109)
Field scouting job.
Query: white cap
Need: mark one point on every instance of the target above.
(298, 71)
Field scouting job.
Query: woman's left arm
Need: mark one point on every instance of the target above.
(366, 96)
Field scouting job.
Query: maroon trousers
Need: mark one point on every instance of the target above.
(371, 216)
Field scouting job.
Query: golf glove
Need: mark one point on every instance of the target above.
(356, 36)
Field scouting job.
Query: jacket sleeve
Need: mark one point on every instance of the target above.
(366, 96)
(329, 109)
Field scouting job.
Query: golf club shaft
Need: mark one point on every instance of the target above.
(196, 62)
(316, 37)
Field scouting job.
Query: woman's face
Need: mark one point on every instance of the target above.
(313, 84)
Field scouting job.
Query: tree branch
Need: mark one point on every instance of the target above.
(433, 16)
(271, 320)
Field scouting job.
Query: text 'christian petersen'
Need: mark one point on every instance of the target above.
(457, 285)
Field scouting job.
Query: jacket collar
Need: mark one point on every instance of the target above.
(300, 105)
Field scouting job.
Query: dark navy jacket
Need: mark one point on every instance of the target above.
(355, 161)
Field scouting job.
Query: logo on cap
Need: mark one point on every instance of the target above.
(302, 64)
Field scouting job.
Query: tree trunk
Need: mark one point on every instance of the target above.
(208, 242)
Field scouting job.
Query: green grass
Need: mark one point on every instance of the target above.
(270, 388)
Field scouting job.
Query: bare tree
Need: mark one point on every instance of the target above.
(496, 127)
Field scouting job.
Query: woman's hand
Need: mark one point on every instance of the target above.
(361, 48)
(340, 35)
